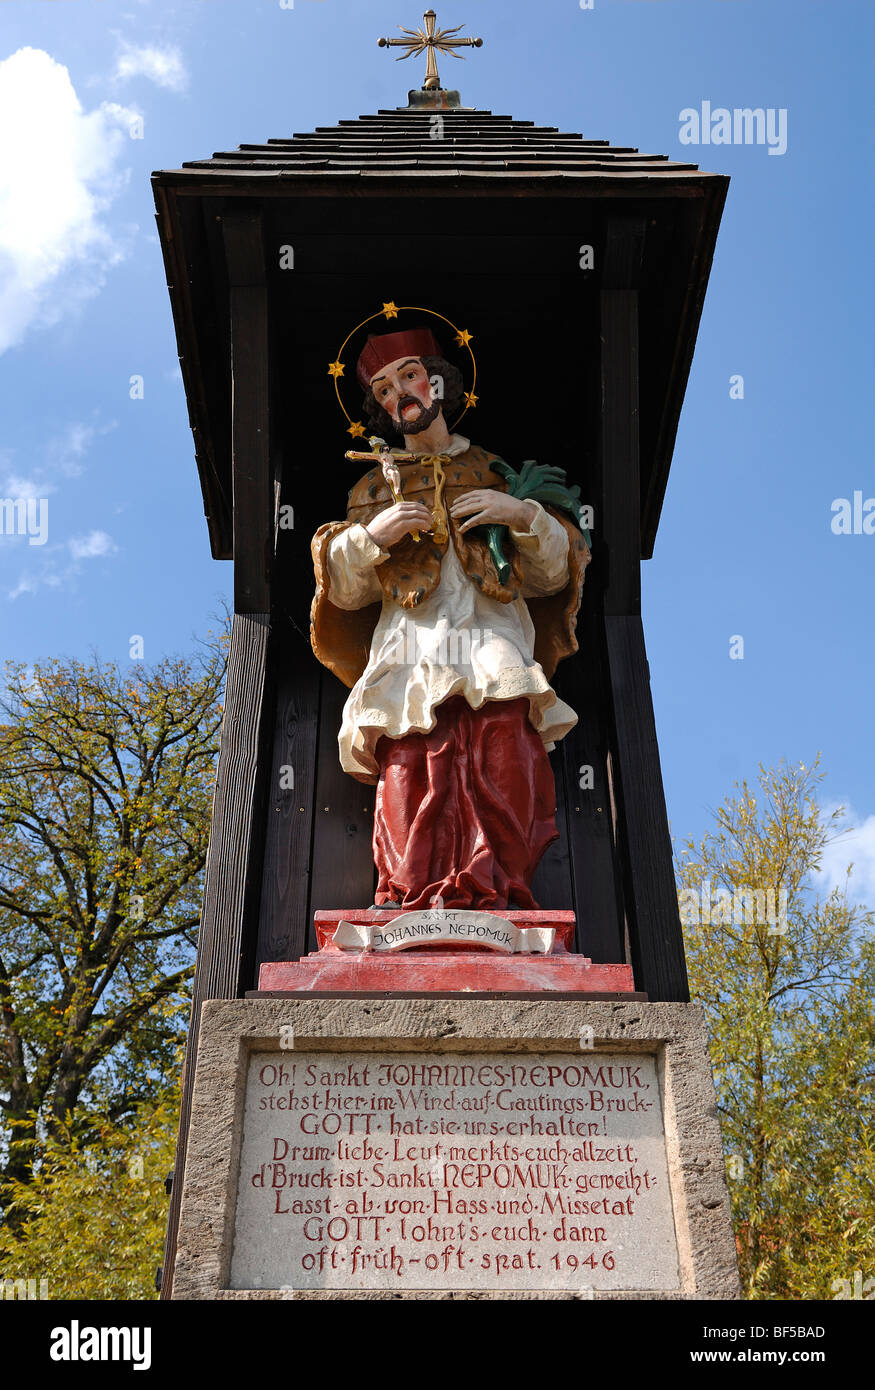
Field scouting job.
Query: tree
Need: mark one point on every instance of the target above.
(106, 784)
(93, 1215)
(787, 987)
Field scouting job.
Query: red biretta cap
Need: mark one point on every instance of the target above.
(383, 348)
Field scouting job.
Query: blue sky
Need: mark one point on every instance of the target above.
(745, 545)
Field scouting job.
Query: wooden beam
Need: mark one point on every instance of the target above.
(551, 883)
(596, 883)
(619, 526)
(226, 938)
(645, 859)
(285, 895)
(181, 233)
(253, 489)
(657, 942)
(343, 873)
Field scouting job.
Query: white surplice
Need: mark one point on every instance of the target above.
(456, 642)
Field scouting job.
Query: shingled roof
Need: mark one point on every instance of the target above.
(376, 176)
(465, 142)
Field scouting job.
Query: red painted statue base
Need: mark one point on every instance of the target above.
(445, 969)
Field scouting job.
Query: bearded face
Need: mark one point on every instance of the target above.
(408, 395)
(411, 416)
(403, 390)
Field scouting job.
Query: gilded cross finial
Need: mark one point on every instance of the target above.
(430, 40)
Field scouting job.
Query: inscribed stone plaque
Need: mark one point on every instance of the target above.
(474, 1171)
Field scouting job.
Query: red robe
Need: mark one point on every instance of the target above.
(464, 812)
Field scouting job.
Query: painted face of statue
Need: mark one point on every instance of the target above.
(405, 392)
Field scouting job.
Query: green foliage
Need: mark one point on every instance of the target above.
(106, 781)
(789, 1005)
(91, 1218)
(544, 483)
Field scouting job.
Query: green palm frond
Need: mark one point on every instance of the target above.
(542, 482)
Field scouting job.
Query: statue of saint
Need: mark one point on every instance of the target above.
(447, 641)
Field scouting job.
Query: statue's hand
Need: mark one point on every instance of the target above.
(487, 505)
(397, 521)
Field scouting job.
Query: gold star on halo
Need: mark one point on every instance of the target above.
(335, 369)
(389, 311)
(470, 400)
(463, 337)
(356, 429)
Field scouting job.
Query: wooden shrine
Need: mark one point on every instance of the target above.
(272, 252)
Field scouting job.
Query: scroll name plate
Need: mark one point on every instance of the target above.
(432, 928)
(484, 1171)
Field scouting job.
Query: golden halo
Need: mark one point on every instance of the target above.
(391, 311)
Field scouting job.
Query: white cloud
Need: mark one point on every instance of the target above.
(58, 566)
(59, 172)
(857, 847)
(30, 583)
(14, 485)
(161, 64)
(66, 451)
(89, 547)
(54, 565)
(62, 457)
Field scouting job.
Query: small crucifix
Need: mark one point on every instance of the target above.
(429, 41)
(389, 460)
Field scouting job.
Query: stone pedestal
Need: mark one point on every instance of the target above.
(453, 1148)
(457, 966)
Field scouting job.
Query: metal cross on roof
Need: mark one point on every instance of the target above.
(430, 40)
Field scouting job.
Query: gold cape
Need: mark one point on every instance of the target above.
(341, 639)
